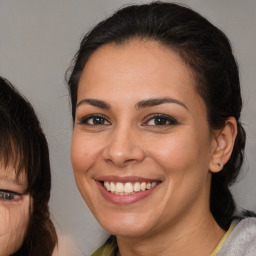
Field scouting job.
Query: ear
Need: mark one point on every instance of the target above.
(222, 145)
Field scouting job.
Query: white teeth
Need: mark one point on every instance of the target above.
(143, 186)
(136, 187)
(128, 188)
(119, 187)
(107, 186)
(112, 187)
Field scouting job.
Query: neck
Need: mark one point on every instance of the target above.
(191, 237)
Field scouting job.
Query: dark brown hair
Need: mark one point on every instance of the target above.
(205, 49)
(23, 141)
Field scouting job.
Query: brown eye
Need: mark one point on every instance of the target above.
(97, 121)
(160, 120)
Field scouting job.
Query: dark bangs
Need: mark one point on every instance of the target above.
(11, 145)
(20, 135)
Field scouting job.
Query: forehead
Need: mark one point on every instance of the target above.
(141, 66)
(136, 59)
(10, 175)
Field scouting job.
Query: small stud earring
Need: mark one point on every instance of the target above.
(220, 165)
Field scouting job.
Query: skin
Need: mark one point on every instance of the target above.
(177, 154)
(14, 214)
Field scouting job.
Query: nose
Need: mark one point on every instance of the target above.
(123, 148)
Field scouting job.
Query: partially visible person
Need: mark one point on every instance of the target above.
(25, 179)
(157, 138)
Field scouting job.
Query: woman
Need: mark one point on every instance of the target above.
(157, 139)
(25, 179)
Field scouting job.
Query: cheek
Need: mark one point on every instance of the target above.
(182, 154)
(4, 219)
(84, 155)
(84, 152)
(14, 218)
(173, 151)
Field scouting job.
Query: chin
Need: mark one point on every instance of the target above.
(127, 226)
(125, 231)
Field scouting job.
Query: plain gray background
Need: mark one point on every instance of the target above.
(38, 39)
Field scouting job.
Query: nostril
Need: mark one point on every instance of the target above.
(130, 161)
(123, 150)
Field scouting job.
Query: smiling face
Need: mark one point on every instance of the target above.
(14, 210)
(141, 144)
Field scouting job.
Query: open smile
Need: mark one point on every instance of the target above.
(126, 190)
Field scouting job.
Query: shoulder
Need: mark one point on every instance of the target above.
(242, 240)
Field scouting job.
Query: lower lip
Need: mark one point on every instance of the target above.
(124, 199)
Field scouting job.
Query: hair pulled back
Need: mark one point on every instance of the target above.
(23, 143)
(205, 49)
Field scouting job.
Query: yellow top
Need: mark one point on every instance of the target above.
(110, 247)
(224, 238)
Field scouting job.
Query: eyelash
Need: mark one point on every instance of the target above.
(93, 117)
(167, 120)
(7, 195)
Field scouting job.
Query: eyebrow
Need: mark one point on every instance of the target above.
(158, 101)
(95, 103)
(139, 105)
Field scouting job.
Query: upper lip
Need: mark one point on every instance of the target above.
(124, 179)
